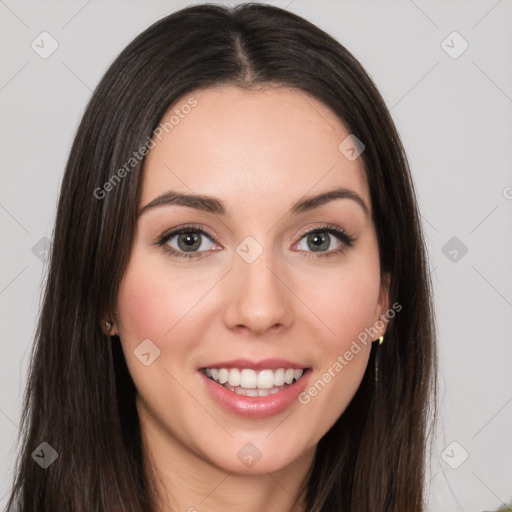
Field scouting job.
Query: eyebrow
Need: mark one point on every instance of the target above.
(217, 206)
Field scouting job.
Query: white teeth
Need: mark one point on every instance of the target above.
(223, 375)
(254, 392)
(279, 377)
(288, 375)
(266, 381)
(234, 377)
(248, 379)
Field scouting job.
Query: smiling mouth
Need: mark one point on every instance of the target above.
(248, 382)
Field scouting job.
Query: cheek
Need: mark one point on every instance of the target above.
(328, 395)
(155, 305)
(345, 306)
(343, 352)
(142, 302)
(150, 303)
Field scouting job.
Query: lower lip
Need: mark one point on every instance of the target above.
(257, 406)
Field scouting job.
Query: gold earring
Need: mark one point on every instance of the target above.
(108, 325)
(381, 340)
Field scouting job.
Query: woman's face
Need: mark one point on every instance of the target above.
(258, 293)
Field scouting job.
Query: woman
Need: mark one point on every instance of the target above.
(238, 309)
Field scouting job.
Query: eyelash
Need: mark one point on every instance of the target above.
(339, 233)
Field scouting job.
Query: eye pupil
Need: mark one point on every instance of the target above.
(191, 241)
(320, 241)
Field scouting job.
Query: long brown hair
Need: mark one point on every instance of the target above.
(80, 398)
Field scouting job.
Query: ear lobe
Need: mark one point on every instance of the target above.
(107, 326)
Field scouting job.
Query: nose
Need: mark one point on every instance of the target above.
(258, 299)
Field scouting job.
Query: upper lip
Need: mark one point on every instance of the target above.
(264, 364)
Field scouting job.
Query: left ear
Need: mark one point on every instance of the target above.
(108, 326)
(382, 304)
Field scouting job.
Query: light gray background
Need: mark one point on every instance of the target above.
(454, 116)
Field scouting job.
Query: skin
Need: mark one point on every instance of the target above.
(259, 151)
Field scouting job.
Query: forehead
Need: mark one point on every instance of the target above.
(255, 147)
